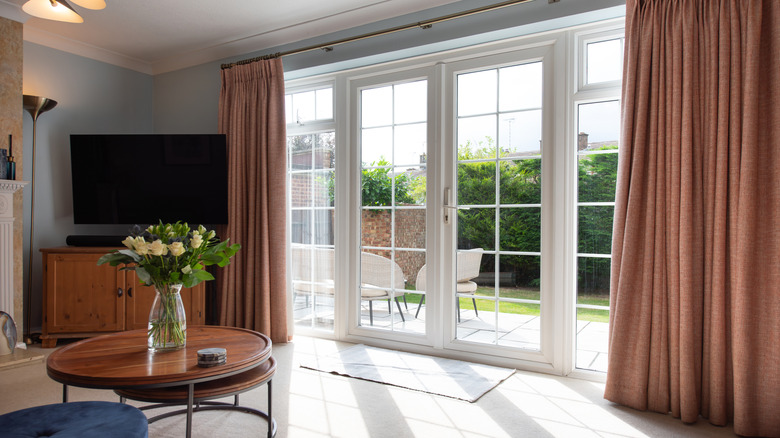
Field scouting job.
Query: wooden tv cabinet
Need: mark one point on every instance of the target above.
(82, 299)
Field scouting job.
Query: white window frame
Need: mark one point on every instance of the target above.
(566, 50)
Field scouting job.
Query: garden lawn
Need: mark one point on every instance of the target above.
(593, 315)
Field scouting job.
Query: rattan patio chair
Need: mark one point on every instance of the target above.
(468, 263)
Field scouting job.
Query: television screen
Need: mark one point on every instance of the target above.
(142, 179)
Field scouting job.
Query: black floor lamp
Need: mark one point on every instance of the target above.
(35, 106)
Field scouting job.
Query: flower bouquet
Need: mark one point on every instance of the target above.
(169, 257)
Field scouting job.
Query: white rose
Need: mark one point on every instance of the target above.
(141, 247)
(176, 248)
(156, 248)
(129, 242)
(196, 241)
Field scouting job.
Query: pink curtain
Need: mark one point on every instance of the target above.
(695, 310)
(252, 290)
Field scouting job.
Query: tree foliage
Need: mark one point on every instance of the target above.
(519, 215)
(377, 186)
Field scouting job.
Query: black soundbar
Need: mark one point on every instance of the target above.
(87, 240)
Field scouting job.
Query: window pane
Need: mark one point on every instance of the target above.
(593, 318)
(477, 183)
(476, 228)
(410, 145)
(323, 227)
(521, 229)
(604, 61)
(410, 102)
(376, 146)
(410, 228)
(521, 181)
(324, 103)
(519, 325)
(326, 151)
(520, 277)
(301, 226)
(322, 188)
(593, 281)
(300, 147)
(520, 133)
(300, 189)
(520, 87)
(303, 106)
(476, 137)
(597, 175)
(599, 125)
(375, 227)
(477, 93)
(410, 185)
(377, 107)
(595, 229)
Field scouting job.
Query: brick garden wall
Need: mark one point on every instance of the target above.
(410, 233)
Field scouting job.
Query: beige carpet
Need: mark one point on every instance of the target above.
(434, 375)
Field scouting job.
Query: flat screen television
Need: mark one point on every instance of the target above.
(145, 178)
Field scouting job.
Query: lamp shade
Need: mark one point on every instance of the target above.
(36, 105)
(58, 10)
(91, 4)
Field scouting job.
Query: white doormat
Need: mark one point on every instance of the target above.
(450, 378)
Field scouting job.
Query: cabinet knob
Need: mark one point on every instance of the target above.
(130, 292)
(120, 292)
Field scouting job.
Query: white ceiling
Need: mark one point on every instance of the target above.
(156, 36)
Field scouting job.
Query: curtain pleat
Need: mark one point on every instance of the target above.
(252, 290)
(695, 291)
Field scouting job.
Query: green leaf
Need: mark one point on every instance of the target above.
(114, 259)
(143, 275)
(203, 275)
(132, 254)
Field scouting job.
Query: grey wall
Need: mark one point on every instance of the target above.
(92, 97)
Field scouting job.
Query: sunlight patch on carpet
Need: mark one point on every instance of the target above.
(435, 375)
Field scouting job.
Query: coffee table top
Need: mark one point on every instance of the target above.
(121, 360)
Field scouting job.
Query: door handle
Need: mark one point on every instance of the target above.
(130, 292)
(119, 292)
(447, 206)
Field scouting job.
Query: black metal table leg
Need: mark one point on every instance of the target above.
(270, 414)
(190, 399)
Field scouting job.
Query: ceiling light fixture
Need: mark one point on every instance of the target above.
(60, 10)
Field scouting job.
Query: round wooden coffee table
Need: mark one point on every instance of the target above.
(121, 362)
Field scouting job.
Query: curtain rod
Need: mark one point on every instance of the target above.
(426, 24)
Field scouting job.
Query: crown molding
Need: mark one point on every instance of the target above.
(57, 42)
(13, 12)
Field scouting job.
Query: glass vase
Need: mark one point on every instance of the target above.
(167, 320)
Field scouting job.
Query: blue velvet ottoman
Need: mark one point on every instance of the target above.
(91, 419)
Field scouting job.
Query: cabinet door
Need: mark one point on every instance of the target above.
(82, 296)
(140, 298)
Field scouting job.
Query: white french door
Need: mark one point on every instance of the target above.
(451, 205)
